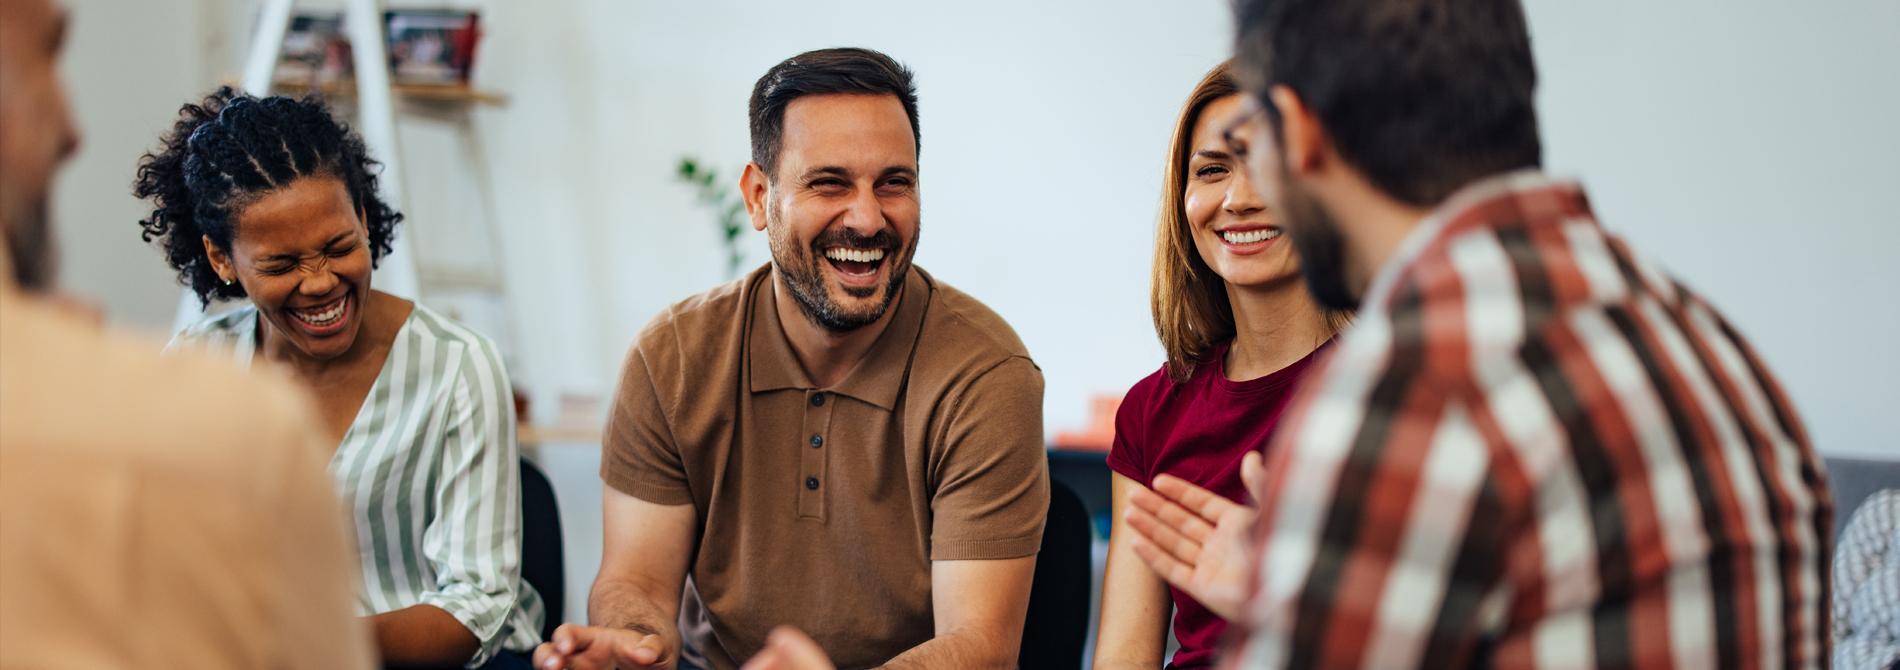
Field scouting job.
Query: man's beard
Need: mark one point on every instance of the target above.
(804, 273)
(30, 246)
(1321, 247)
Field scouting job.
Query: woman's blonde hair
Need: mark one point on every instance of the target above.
(1189, 300)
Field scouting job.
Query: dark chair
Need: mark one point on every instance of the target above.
(1058, 623)
(1852, 480)
(542, 563)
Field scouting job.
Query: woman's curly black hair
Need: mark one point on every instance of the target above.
(228, 151)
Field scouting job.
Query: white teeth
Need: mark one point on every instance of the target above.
(1251, 236)
(323, 318)
(855, 255)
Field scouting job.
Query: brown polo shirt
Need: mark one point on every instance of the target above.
(823, 507)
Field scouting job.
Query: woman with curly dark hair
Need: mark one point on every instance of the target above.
(273, 200)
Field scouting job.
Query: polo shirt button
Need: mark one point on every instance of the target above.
(817, 441)
(818, 399)
(811, 483)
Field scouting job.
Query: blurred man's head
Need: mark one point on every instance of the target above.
(833, 181)
(36, 133)
(1416, 97)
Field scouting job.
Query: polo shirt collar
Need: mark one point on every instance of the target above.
(772, 365)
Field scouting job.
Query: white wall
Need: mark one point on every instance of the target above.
(1753, 147)
(128, 66)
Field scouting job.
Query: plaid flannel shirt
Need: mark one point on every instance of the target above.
(1537, 450)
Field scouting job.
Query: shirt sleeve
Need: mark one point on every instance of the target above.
(639, 456)
(474, 540)
(992, 494)
(1129, 454)
(1379, 545)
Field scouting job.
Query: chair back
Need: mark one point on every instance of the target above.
(542, 563)
(1058, 622)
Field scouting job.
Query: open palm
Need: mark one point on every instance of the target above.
(1196, 539)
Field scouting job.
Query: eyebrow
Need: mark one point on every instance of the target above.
(291, 257)
(1215, 154)
(839, 171)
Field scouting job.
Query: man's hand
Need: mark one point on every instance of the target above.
(1196, 539)
(595, 648)
(787, 648)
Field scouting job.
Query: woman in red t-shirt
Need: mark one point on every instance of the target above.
(1240, 330)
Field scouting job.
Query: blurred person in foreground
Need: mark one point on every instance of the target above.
(838, 441)
(274, 200)
(153, 513)
(1535, 448)
(1240, 331)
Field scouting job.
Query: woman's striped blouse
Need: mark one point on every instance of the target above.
(429, 471)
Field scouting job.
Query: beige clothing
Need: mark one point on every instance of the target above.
(824, 507)
(161, 513)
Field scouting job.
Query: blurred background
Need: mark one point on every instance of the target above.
(1750, 146)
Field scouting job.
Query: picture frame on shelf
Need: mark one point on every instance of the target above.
(431, 46)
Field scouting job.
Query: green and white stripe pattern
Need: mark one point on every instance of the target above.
(430, 473)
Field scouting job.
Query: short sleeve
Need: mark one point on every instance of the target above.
(1130, 455)
(639, 456)
(992, 493)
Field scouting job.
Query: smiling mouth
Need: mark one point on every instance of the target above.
(855, 262)
(1246, 237)
(322, 316)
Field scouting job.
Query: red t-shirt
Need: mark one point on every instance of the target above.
(1199, 431)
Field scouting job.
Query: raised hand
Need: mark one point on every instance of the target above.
(1196, 539)
(789, 649)
(594, 648)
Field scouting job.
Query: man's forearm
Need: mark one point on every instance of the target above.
(959, 649)
(628, 606)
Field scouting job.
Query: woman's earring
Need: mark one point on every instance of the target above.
(227, 282)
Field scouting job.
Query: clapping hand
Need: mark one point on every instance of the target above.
(788, 649)
(595, 648)
(1196, 539)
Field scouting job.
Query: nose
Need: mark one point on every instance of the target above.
(1242, 198)
(865, 213)
(318, 280)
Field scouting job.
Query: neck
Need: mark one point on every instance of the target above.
(1275, 325)
(826, 356)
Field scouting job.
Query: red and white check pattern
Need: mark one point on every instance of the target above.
(1537, 450)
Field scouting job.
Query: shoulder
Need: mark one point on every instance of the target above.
(216, 332)
(477, 360)
(687, 329)
(110, 396)
(1147, 392)
(960, 331)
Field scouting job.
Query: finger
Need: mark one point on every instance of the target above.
(1208, 504)
(1182, 521)
(1164, 566)
(1253, 474)
(570, 638)
(1160, 536)
(798, 650)
(546, 658)
(647, 651)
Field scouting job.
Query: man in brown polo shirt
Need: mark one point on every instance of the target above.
(838, 442)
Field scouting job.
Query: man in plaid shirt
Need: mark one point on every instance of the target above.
(1535, 449)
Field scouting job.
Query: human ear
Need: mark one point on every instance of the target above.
(220, 261)
(1302, 138)
(752, 188)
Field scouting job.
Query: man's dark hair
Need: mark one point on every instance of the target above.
(821, 72)
(228, 151)
(1422, 96)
